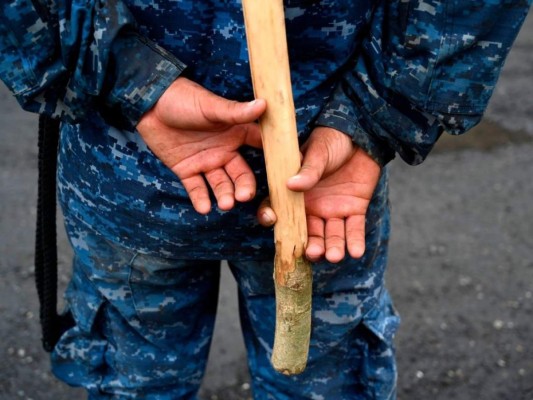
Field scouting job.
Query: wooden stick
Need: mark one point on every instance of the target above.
(269, 62)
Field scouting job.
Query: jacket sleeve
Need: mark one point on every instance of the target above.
(67, 58)
(425, 66)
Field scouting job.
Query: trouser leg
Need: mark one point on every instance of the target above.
(143, 324)
(353, 323)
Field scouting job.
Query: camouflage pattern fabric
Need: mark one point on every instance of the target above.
(424, 66)
(144, 323)
(391, 74)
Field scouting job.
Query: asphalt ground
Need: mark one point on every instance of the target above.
(460, 270)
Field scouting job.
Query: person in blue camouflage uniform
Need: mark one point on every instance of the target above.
(143, 90)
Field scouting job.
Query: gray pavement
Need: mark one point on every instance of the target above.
(461, 262)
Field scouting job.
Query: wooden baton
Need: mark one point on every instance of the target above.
(269, 63)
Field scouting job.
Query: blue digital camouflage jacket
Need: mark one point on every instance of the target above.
(391, 74)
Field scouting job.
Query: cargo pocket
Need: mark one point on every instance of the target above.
(153, 282)
(78, 357)
(170, 295)
(379, 365)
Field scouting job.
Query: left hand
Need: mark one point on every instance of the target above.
(197, 135)
(339, 180)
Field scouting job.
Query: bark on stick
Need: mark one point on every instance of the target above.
(267, 46)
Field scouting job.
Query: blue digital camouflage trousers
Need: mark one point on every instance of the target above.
(144, 324)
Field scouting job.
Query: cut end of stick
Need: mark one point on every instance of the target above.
(296, 371)
(293, 320)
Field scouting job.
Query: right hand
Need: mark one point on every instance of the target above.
(195, 132)
(338, 179)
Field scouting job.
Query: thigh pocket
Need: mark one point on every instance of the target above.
(154, 285)
(379, 365)
(383, 321)
(83, 303)
(167, 293)
(78, 357)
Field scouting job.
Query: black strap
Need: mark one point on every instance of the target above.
(52, 324)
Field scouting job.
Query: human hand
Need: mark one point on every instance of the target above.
(339, 180)
(197, 134)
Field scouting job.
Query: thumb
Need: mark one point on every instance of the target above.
(218, 110)
(188, 105)
(313, 166)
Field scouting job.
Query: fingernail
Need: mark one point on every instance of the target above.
(245, 194)
(295, 178)
(334, 255)
(266, 218)
(315, 250)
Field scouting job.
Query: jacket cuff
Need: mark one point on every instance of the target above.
(334, 117)
(141, 71)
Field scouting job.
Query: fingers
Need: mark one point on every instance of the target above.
(265, 214)
(222, 187)
(329, 239)
(335, 240)
(355, 235)
(333, 237)
(235, 181)
(242, 178)
(198, 193)
(315, 244)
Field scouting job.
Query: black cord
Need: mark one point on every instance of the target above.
(52, 324)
